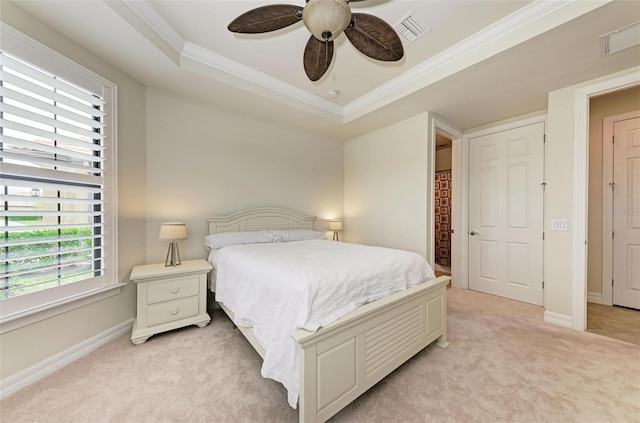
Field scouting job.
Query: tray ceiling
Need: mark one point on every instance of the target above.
(184, 46)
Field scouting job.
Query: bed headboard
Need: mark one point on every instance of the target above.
(260, 219)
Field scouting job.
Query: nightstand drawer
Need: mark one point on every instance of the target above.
(187, 286)
(172, 310)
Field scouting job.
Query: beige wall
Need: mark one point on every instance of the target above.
(31, 344)
(559, 195)
(385, 186)
(204, 161)
(601, 107)
(443, 159)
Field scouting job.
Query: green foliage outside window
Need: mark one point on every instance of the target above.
(62, 252)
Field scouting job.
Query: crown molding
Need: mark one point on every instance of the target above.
(238, 75)
(157, 23)
(465, 53)
(218, 67)
(531, 20)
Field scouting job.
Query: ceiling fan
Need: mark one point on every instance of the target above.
(326, 20)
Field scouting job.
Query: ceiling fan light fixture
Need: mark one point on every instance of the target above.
(326, 19)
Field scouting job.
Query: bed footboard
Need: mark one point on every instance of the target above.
(342, 360)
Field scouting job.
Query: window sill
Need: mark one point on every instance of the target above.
(45, 311)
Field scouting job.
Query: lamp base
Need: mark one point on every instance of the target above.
(335, 236)
(173, 255)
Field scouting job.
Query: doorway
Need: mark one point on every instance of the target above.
(446, 135)
(443, 197)
(613, 276)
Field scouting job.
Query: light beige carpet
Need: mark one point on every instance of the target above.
(504, 364)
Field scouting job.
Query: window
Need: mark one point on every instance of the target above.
(57, 180)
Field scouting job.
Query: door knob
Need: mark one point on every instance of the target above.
(474, 233)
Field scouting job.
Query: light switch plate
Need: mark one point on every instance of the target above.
(559, 225)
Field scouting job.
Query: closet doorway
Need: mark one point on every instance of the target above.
(443, 204)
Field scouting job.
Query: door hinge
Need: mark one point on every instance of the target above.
(542, 284)
(613, 139)
(612, 282)
(544, 186)
(612, 185)
(613, 235)
(543, 236)
(544, 138)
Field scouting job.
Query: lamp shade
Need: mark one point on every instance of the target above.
(335, 225)
(326, 19)
(173, 230)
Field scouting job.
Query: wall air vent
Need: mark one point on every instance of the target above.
(621, 39)
(410, 28)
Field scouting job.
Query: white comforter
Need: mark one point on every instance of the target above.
(277, 288)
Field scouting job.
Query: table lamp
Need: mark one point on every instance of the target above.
(173, 231)
(335, 226)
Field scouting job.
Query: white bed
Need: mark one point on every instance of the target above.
(342, 359)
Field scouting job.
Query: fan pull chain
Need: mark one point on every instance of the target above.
(326, 35)
(326, 51)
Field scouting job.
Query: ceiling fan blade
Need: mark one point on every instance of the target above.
(266, 19)
(374, 37)
(317, 57)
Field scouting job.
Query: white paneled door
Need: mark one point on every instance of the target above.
(506, 172)
(626, 213)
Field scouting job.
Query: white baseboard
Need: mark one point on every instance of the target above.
(26, 377)
(558, 319)
(594, 297)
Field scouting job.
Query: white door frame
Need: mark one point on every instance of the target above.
(437, 124)
(607, 198)
(581, 188)
(464, 187)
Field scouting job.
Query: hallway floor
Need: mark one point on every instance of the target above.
(442, 270)
(614, 322)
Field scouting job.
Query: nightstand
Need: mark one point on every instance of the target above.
(170, 297)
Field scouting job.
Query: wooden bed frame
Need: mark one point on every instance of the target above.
(339, 362)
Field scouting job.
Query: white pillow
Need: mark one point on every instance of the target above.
(224, 239)
(288, 235)
(215, 241)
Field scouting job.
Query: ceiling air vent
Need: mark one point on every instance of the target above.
(620, 39)
(410, 28)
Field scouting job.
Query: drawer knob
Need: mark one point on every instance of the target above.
(175, 289)
(174, 311)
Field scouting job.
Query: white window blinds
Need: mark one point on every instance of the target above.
(52, 162)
